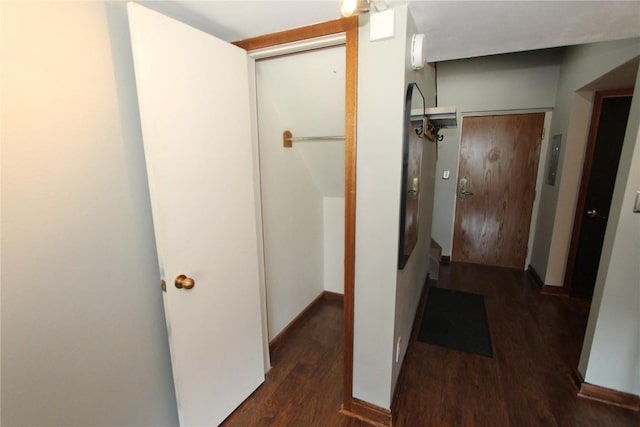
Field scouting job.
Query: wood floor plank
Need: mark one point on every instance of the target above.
(536, 342)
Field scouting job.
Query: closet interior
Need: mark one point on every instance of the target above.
(300, 108)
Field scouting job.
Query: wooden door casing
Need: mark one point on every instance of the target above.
(499, 158)
(349, 26)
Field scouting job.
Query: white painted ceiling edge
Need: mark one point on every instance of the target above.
(454, 29)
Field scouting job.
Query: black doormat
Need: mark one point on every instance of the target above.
(456, 320)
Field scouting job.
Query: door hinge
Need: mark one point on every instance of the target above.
(543, 132)
(163, 285)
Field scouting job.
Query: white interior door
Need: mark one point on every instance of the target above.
(193, 91)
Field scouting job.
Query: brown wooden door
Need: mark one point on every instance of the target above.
(499, 161)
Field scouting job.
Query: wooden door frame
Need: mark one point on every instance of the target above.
(348, 26)
(600, 96)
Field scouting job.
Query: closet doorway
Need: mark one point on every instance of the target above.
(301, 180)
(306, 39)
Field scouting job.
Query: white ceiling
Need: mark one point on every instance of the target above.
(454, 29)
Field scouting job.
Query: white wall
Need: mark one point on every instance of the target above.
(611, 349)
(380, 291)
(411, 278)
(503, 83)
(572, 113)
(303, 93)
(83, 333)
(381, 93)
(334, 244)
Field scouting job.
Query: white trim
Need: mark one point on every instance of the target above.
(504, 112)
(253, 105)
(542, 162)
(299, 46)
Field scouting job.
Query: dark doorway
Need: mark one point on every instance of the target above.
(608, 126)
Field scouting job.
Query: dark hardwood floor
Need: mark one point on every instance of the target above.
(536, 345)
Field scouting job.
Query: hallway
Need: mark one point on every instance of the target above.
(536, 344)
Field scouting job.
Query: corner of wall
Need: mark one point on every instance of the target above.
(609, 356)
(410, 280)
(381, 93)
(582, 65)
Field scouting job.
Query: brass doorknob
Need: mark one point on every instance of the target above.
(184, 282)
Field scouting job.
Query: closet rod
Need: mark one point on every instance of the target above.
(288, 138)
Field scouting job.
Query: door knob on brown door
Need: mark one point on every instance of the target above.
(184, 282)
(462, 189)
(592, 213)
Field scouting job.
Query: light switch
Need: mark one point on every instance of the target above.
(445, 174)
(636, 206)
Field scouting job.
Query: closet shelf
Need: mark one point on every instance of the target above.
(288, 138)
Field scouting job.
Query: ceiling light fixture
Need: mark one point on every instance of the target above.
(356, 7)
